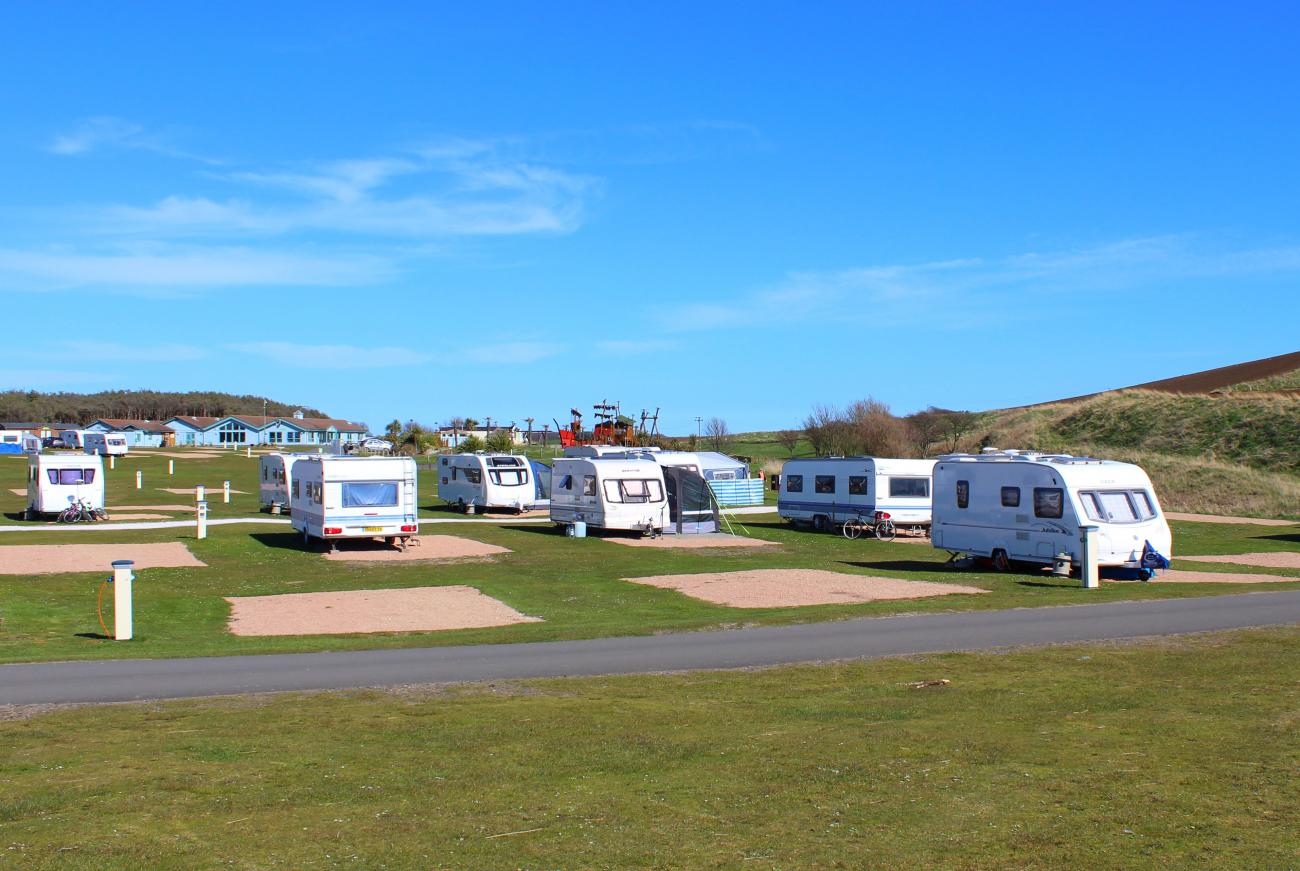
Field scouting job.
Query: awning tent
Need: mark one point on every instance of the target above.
(691, 506)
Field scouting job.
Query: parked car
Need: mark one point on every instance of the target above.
(376, 446)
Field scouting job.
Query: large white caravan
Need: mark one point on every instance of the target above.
(827, 491)
(335, 498)
(486, 480)
(55, 481)
(609, 493)
(276, 478)
(1020, 505)
(105, 444)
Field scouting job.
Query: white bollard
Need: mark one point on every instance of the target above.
(123, 625)
(200, 493)
(112, 461)
(171, 467)
(139, 479)
(249, 450)
(201, 519)
(225, 492)
(1088, 557)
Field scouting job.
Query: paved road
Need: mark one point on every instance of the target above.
(126, 680)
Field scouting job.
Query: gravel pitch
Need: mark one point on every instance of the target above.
(430, 547)
(49, 559)
(1218, 518)
(780, 588)
(415, 609)
(1178, 576)
(1284, 559)
(690, 541)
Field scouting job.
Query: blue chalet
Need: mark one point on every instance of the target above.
(253, 429)
(139, 433)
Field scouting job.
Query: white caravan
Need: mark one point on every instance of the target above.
(483, 480)
(72, 438)
(609, 493)
(604, 451)
(55, 481)
(827, 491)
(12, 441)
(335, 498)
(276, 479)
(106, 444)
(1021, 505)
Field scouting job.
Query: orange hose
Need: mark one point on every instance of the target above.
(99, 606)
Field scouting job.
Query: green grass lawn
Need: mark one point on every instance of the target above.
(1174, 754)
(575, 585)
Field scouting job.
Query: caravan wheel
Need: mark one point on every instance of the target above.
(821, 523)
(1000, 561)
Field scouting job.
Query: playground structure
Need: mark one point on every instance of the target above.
(611, 427)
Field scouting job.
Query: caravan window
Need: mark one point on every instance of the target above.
(794, 483)
(71, 476)
(504, 461)
(508, 477)
(1011, 497)
(588, 485)
(1049, 502)
(857, 485)
(824, 483)
(566, 483)
(474, 476)
(1091, 506)
(1146, 508)
(633, 490)
(910, 488)
(1118, 506)
(369, 494)
(963, 494)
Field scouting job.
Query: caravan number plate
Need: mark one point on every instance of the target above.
(374, 529)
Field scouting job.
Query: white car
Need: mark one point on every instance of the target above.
(376, 446)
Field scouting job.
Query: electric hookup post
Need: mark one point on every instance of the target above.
(225, 492)
(1088, 557)
(201, 519)
(139, 479)
(123, 579)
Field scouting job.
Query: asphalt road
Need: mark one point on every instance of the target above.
(127, 680)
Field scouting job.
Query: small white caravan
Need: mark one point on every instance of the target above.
(609, 493)
(276, 479)
(12, 441)
(55, 481)
(486, 480)
(72, 438)
(106, 444)
(827, 491)
(1026, 506)
(334, 498)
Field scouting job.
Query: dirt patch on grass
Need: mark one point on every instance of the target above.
(690, 541)
(415, 609)
(1284, 559)
(189, 507)
(207, 491)
(18, 491)
(1178, 576)
(126, 515)
(1219, 518)
(778, 588)
(427, 547)
(48, 559)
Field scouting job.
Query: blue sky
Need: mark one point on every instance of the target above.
(738, 210)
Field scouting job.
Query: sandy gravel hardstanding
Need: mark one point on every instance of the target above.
(431, 547)
(690, 541)
(1283, 559)
(1217, 518)
(18, 491)
(47, 559)
(208, 491)
(777, 588)
(126, 515)
(1178, 576)
(173, 507)
(416, 609)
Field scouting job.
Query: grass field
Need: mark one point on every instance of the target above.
(1173, 754)
(576, 586)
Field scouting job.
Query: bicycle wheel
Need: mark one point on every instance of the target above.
(852, 528)
(886, 531)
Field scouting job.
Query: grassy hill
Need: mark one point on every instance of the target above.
(1210, 446)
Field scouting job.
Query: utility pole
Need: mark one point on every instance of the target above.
(698, 432)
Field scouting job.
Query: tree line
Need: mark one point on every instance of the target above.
(868, 428)
(84, 408)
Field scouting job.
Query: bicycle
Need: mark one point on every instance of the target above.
(880, 525)
(81, 511)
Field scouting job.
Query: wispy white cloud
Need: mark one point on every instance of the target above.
(513, 352)
(333, 356)
(460, 188)
(147, 352)
(54, 379)
(966, 288)
(164, 268)
(94, 133)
